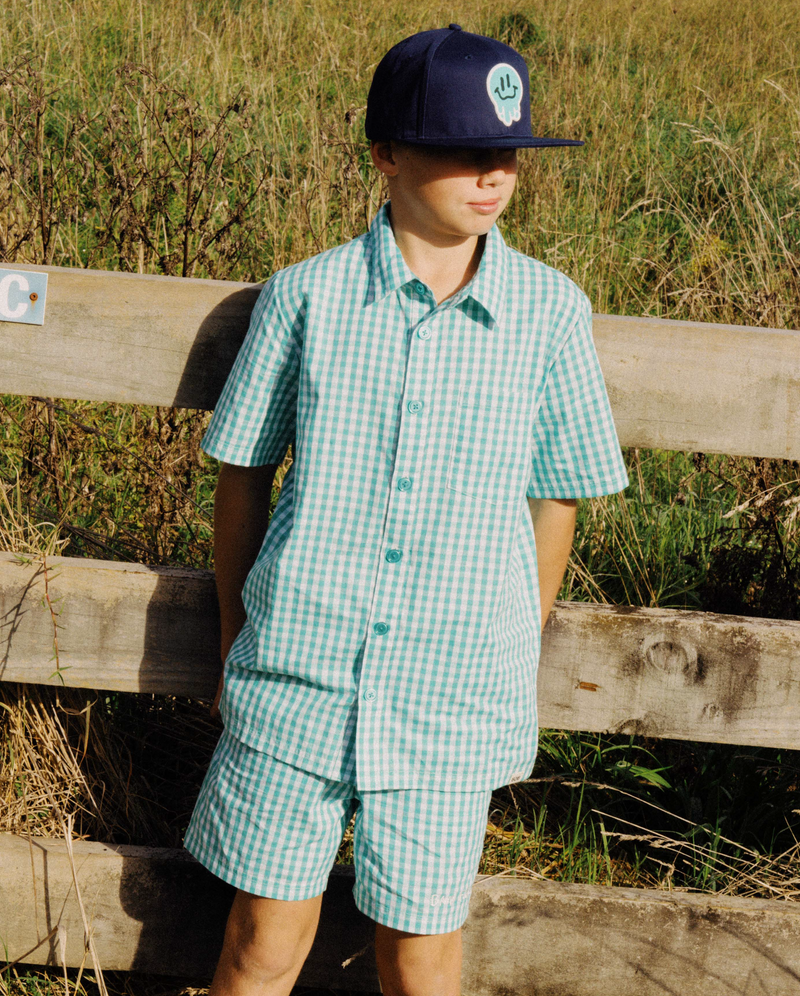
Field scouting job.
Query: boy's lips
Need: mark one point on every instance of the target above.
(485, 207)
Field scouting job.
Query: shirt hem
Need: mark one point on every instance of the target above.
(487, 781)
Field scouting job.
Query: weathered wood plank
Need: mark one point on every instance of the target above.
(556, 939)
(151, 910)
(126, 627)
(128, 337)
(171, 341)
(159, 911)
(702, 387)
(656, 672)
(671, 673)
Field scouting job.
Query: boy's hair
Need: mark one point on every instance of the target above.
(451, 87)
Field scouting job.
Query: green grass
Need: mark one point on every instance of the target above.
(682, 203)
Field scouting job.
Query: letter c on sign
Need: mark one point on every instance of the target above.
(5, 285)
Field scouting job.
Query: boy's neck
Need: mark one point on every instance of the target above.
(444, 263)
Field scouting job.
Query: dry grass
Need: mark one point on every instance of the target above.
(226, 140)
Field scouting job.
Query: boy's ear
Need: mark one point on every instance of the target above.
(383, 157)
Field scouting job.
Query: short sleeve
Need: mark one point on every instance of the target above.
(255, 416)
(576, 453)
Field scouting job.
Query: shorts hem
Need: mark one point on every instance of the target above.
(254, 887)
(409, 923)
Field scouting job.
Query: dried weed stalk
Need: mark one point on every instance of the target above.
(147, 183)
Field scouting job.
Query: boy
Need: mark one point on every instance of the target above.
(380, 642)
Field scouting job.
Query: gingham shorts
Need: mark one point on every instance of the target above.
(274, 830)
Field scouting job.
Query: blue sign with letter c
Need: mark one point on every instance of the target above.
(22, 296)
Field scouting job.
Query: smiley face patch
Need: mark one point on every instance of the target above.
(504, 86)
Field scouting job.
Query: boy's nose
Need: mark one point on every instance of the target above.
(490, 162)
(492, 176)
(494, 164)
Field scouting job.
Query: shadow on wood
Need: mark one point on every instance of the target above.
(155, 910)
(182, 909)
(214, 349)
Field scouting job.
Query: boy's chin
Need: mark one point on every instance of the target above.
(480, 226)
(470, 223)
(467, 225)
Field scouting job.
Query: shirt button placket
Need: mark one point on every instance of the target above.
(414, 406)
(418, 375)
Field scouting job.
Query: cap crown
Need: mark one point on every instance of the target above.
(452, 87)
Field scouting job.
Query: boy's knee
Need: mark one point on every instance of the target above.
(269, 938)
(418, 951)
(418, 964)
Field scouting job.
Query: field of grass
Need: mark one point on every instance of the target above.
(224, 138)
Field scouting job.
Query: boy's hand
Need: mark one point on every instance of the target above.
(214, 711)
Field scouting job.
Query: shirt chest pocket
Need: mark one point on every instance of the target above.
(490, 453)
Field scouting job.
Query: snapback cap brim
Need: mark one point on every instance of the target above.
(489, 142)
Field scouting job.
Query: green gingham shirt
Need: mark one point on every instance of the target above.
(396, 589)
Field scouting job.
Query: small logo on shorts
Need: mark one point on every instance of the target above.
(436, 900)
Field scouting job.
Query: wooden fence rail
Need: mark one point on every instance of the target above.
(158, 910)
(172, 340)
(611, 669)
(670, 673)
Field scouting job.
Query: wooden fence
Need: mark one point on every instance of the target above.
(669, 673)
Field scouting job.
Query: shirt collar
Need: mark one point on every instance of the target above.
(389, 271)
(488, 285)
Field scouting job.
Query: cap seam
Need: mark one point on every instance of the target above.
(423, 108)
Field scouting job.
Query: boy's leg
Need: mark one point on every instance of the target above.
(418, 964)
(273, 831)
(266, 944)
(417, 853)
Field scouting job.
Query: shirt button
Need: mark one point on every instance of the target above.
(424, 332)
(370, 694)
(381, 628)
(414, 406)
(393, 555)
(404, 484)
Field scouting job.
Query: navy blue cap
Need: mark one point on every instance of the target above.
(451, 87)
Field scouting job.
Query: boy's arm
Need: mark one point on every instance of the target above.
(553, 528)
(241, 517)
